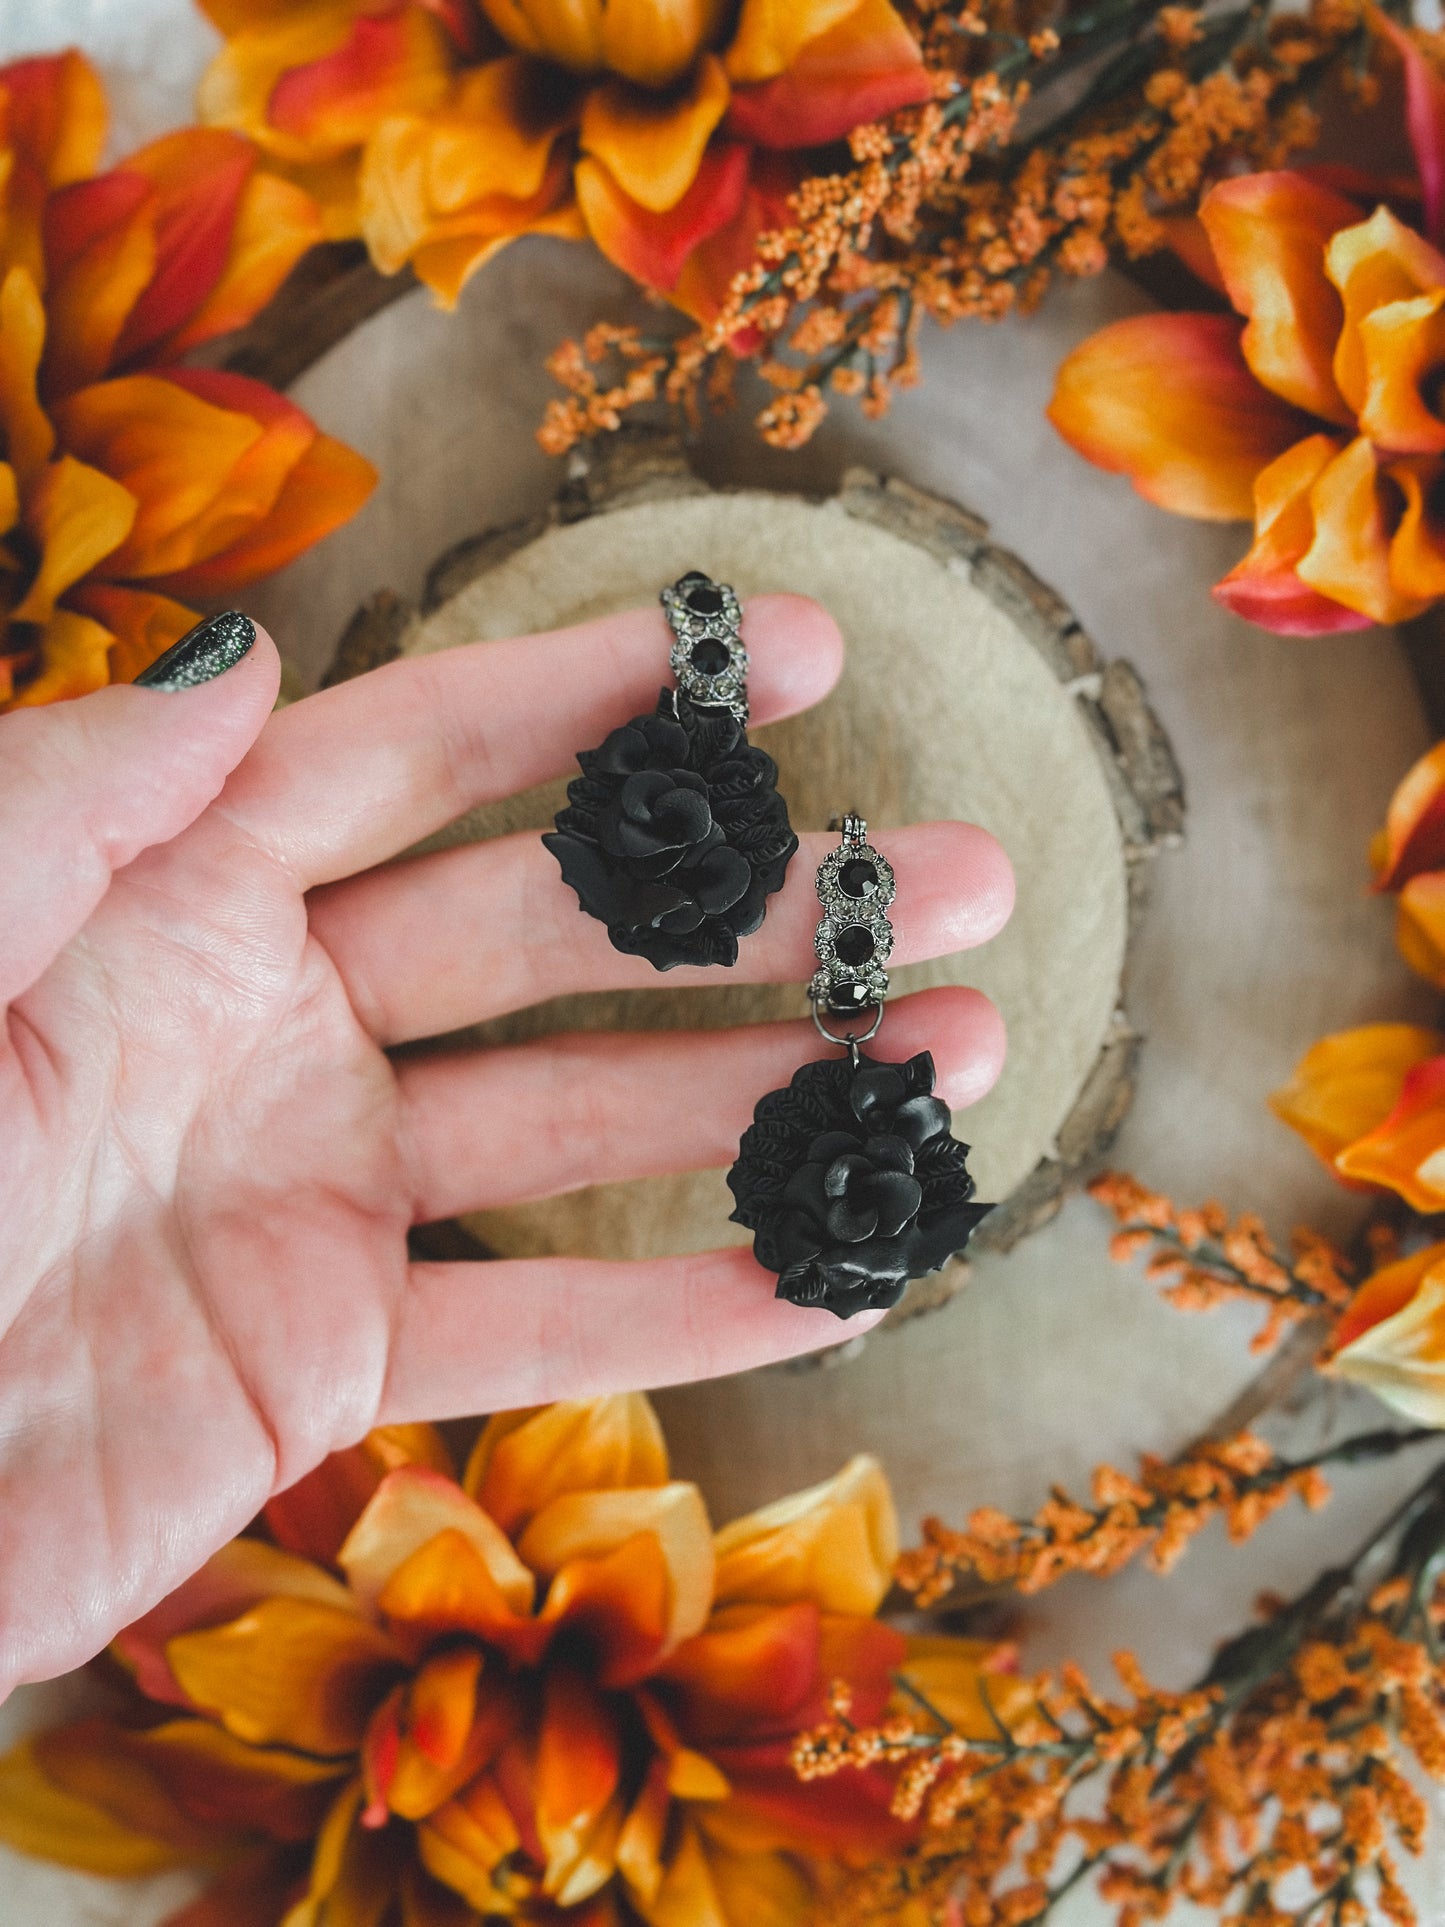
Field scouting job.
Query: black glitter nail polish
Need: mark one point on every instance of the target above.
(207, 651)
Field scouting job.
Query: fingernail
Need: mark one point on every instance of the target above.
(207, 651)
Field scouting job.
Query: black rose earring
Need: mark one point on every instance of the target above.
(674, 835)
(850, 1179)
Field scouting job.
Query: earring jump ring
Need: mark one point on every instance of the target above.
(851, 1039)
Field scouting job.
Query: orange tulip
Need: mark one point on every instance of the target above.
(663, 128)
(124, 490)
(547, 1689)
(1317, 414)
(1371, 1104)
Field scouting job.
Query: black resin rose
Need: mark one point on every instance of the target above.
(852, 1183)
(674, 834)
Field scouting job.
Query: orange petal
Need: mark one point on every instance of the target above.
(428, 1741)
(589, 1525)
(222, 1782)
(55, 115)
(644, 1832)
(76, 517)
(239, 1575)
(863, 68)
(708, 272)
(1347, 1084)
(653, 145)
(753, 1664)
(618, 1602)
(1169, 400)
(835, 1544)
(314, 1515)
(356, 1871)
(1403, 346)
(772, 33)
(74, 659)
(1269, 233)
(579, 1770)
(653, 45)
(276, 223)
(1400, 1353)
(175, 452)
(447, 1586)
(426, 1903)
(100, 249)
(1413, 838)
(37, 1818)
(1356, 514)
(395, 60)
(199, 175)
(1406, 1152)
(1420, 926)
(288, 1672)
(1417, 548)
(1385, 1292)
(652, 248)
(410, 1507)
(320, 492)
(465, 1842)
(523, 1460)
(771, 1809)
(28, 437)
(1375, 264)
(484, 166)
(686, 1895)
(763, 1889)
(971, 1682)
(1265, 587)
(446, 264)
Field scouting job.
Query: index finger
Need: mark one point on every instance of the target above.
(354, 774)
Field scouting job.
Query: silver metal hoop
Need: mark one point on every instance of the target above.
(851, 1039)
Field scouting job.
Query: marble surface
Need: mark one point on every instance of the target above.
(1261, 935)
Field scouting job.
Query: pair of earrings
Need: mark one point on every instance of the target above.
(674, 836)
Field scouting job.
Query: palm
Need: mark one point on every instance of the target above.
(211, 1163)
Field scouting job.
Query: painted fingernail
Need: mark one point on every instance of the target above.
(203, 653)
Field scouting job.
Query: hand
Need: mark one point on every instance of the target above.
(210, 1164)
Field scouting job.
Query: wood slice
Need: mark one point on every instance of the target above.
(970, 692)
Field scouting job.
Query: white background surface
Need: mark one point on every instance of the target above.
(1261, 936)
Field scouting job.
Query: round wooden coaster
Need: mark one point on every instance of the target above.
(969, 692)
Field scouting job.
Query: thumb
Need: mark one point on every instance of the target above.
(86, 785)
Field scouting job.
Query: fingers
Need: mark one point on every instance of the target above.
(86, 785)
(452, 939)
(596, 1107)
(492, 1337)
(358, 772)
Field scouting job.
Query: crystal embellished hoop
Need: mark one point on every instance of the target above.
(850, 1179)
(674, 835)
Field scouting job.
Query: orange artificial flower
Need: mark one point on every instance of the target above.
(126, 491)
(1318, 415)
(547, 1691)
(1392, 1337)
(438, 130)
(1370, 1103)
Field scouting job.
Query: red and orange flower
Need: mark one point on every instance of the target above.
(547, 1692)
(438, 130)
(1318, 413)
(130, 485)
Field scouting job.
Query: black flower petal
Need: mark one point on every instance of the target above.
(674, 835)
(852, 1184)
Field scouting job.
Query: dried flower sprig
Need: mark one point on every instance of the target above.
(1205, 1258)
(949, 210)
(1156, 1514)
(1272, 1789)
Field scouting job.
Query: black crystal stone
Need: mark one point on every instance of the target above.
(709, 655)
(857, 878)
(846, 1000)
(854, 945)
(852, 1183)
(705, 600)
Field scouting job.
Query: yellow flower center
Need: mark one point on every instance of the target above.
(650, 42)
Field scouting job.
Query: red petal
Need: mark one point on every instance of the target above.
(652, 248)
(866, 67)
(1424, 118)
